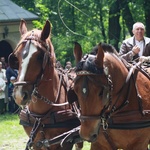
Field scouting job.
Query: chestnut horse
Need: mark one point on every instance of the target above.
(114, 99)
(43, 88)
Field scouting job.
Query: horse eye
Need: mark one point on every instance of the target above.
(101, 92)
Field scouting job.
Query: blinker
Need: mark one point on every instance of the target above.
(26, 49)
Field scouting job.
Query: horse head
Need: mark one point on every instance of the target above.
(93, 86)
(32, 56)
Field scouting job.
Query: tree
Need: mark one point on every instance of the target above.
(88, 21)
(114, 26)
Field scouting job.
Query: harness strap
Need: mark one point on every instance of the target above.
(130, 126)
(33, 133)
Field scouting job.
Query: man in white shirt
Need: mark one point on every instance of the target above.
(135, 46)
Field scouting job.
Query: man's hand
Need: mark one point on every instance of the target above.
(135, 49)
(144, 59)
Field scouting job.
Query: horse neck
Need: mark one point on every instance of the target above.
(123, 90)
(51, 88)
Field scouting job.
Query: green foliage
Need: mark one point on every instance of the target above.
(87, 22)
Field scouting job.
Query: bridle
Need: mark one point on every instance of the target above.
(44, 46)
(106, 89)
(108, 107)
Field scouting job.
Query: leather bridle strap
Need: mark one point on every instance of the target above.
(36, 94)
(33, 133)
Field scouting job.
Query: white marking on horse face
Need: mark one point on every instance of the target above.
(25, 62)
(24, 66)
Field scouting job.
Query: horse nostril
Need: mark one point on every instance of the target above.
(25, 95)
(93, 137)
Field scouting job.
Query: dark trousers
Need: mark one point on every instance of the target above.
(2, 106)
(12, 106)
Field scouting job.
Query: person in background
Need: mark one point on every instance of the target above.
(9, 73)
(4, 64)
(58, 65)
(2, 89)
(12, 106)
(68, 65)
(136, 46)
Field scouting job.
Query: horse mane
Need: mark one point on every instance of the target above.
(87, 63)
(106, 47)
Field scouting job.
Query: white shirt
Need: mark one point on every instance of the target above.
(140, 44)
(2, 87)
(2, 83)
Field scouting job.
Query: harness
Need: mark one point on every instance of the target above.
(58, 118)
(107, 120)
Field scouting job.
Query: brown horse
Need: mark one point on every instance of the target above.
(114, 99)
(48, 113)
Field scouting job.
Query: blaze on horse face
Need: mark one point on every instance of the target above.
(30, 56)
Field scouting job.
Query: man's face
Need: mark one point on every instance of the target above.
(138, 32)
(2, 59)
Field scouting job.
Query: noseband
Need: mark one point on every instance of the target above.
(107, 97)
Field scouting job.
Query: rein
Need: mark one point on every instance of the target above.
(36, 94)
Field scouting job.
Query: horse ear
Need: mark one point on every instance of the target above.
(100, 56)
(77, 52)
(13, 61)
(46, 30)
(23, 27)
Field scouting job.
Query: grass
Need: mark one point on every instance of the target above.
(13, 136)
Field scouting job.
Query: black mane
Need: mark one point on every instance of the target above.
(87, 63)
(106, 47)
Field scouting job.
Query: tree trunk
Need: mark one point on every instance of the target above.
(147, 16)
(114, 26)
(126, 14)
(101, 19)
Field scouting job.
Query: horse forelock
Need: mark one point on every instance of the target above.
(88, 64)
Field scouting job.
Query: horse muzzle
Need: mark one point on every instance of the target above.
(22, 94)
(89, 132)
